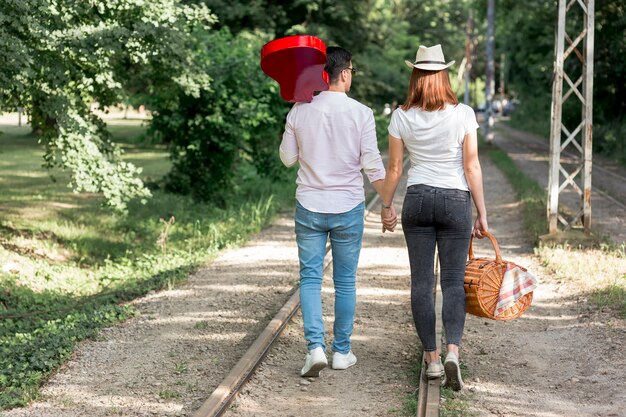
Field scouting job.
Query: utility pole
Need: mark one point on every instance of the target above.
(558, 143)
(469, 46)
(490, 82)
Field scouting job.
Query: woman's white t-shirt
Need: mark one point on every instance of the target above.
(434, 140)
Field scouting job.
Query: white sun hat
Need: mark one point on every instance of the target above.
(429, 59)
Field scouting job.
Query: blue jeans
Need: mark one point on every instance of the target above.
(346, 234)
(442, 216)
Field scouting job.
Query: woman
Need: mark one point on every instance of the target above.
(440, 136)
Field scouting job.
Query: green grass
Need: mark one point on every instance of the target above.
(456, 403)
(453, 404)
(612, 296)
(382, 134)
(529, 193)
(167, 394)
(68, 264)
(410, 400)
(600, 273)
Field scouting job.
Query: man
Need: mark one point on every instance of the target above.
(333, 137)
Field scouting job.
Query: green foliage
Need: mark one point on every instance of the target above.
(168, 394)
(526, 34)
(457, 403)
(78, 263)
(381, 34)
(56, 58)
(29, 349)
(533, 115)
(382, 134)
(240, 118)
(613, 296)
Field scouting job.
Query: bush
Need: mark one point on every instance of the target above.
(239, 120)
(610, 139)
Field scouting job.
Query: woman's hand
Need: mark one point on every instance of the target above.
(389, 218)
(480, 225)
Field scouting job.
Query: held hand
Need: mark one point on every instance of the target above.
(480, 225)
(389, 219)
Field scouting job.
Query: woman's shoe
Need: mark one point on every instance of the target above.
(434, 370)
(452, 370)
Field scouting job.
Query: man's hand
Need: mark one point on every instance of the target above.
(389, 218)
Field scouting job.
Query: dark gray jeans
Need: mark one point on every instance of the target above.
(441, 216)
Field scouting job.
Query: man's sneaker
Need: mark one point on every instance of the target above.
(434, 370)
(314, 363)
(343, 360)
(452, 372)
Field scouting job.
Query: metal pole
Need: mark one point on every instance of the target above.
(555, 128)
(563, 74)
(588, 114)
(490, 84)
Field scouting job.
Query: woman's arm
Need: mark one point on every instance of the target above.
(474, 177)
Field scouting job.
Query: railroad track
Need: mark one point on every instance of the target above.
(541, 147)
(429, 389)
(219, 401)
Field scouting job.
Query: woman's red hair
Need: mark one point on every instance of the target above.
(429, 90)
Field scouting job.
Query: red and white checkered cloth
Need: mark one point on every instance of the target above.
(515, 284)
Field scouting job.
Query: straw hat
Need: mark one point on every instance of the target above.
(429, 59)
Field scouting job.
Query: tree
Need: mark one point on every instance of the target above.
(238, 120)
(526, 34)
(57, 57)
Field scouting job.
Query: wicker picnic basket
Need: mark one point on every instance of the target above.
(483, 278)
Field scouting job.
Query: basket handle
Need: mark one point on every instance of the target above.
(494, 242)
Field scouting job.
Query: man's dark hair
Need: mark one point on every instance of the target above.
(337, 59)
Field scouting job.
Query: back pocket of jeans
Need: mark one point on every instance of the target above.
(412, 206)
(456, 207)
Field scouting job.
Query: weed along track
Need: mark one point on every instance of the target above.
(429, 390)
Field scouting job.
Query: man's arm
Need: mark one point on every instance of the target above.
(378, 186)
(371, 162)
(288, 149)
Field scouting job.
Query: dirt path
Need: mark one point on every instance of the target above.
(561, 358)
(384, 342)
(169, 358)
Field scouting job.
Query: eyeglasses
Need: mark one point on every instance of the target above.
(352, 69)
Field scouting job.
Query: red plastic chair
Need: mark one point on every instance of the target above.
(297, 64)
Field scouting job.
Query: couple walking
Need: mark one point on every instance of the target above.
(332, 138)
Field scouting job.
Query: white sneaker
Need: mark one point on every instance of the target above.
(434, 370)
(452, 372)
(343, 360)
(314, 363)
